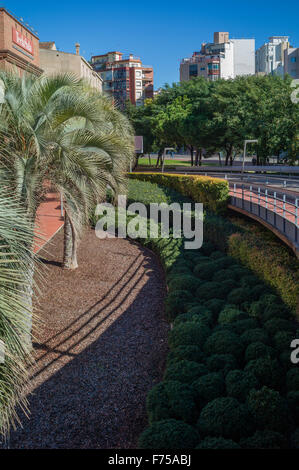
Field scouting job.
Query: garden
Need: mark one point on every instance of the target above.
(229, 381)
(135, 343)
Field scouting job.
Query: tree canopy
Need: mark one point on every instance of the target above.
(219, 116)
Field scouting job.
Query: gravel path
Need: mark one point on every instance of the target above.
(101, 346)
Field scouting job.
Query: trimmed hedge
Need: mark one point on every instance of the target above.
(169, 434)
(170, 399)
(208, 387)
(224, 342)
(218, 443)
(212, 192)
(184, 371)
(188, 333)
(265, 440)
(270, 410)
(239, 383)
(236, 345)
(225, 417)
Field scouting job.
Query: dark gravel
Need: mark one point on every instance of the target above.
(101, 346)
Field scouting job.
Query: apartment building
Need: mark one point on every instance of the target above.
(53, 61)
(291, 62)
(270, 56)
(19, 45)
(124, 78)
(224, 58)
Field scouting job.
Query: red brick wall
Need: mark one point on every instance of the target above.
(7, 24)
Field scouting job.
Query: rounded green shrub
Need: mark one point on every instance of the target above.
(183, 261)
(278, 324)
(267, 371)
(225, 262)
(216, 255)
(224, 342)
(240, 271)
(275, 311)
(284, 360)
(295, 439)
(207, 248)
(265, 440)
(239, 383)
(222, 275)
(257, 291)
(184, 371)
(201, 310)
(229, 314)
(191, 317)
(241, 326)
(256, 309)
(188, 352)
(214, 305)
(257, 350)
(254, 335)
(184, 282)
(177, 302)
(225, 417)
(238, 296)
(221, 363)
(189, 333)
(282, 340)
(205, 271)
(208, 387)
(179, 271)
(269, 410)
(270, 299)
(228, 285)
(169, 434)
(217, 443)
(249, 281)
(171, 399)
(292, 380)
(293, 401)
(210, 290)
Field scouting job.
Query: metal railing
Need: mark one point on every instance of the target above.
(278, 209)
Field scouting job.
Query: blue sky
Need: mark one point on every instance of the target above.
(160, 32)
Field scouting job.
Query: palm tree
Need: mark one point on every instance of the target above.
(15, 255)
(59, 129)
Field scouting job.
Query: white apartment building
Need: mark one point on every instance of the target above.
(53, 61)
(270, 57)
(224, 58)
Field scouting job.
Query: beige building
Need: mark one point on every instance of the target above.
(53, 61)
(291, 62)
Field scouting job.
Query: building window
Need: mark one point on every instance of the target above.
(193, 70)
(293, 59)
(202, 68)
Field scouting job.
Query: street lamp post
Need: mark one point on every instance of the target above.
(255, 141)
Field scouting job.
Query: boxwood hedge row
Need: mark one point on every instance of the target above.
(229, 376)
(229, 381)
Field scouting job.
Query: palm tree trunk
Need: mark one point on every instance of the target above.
(70, 244)
(28, 295)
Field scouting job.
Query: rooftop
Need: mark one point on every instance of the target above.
(21, 21)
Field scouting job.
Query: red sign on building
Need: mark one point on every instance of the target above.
(22, 41)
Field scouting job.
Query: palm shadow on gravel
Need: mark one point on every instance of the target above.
(102, 347)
